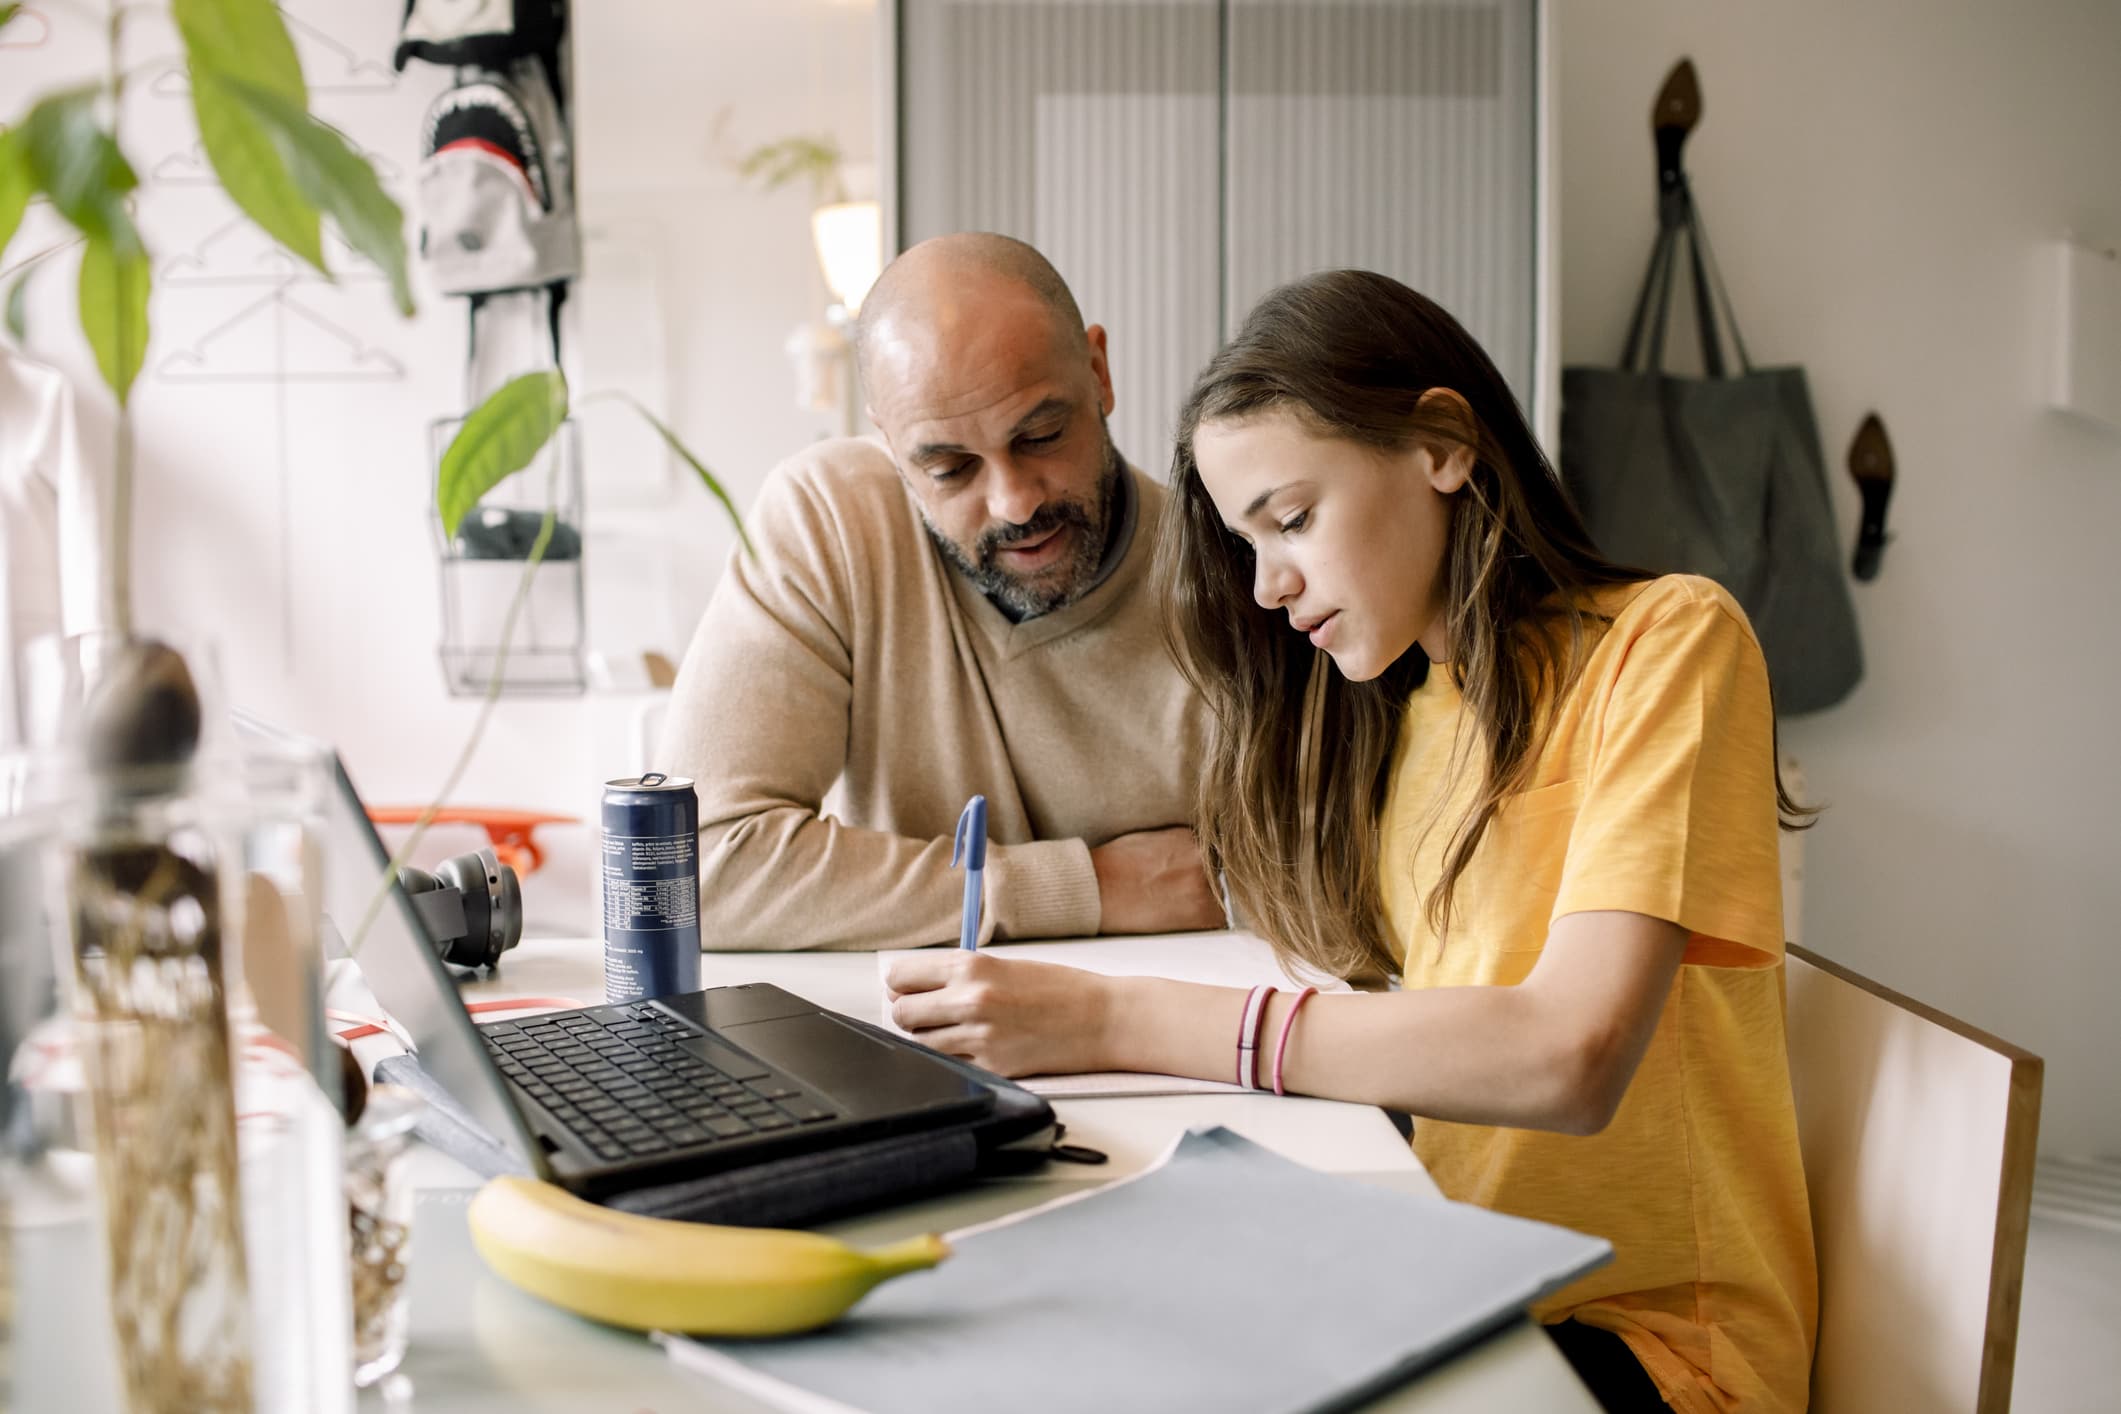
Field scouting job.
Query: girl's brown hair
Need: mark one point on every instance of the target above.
(1290, 796)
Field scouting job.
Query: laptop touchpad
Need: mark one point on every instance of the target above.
(864, 1075)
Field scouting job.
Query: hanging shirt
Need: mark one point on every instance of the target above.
(1653, 793)
(50, 500)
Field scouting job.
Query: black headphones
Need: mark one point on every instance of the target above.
(472, 906)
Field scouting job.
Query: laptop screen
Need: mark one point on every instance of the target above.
(397, 958)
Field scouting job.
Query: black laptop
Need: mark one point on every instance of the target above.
(604, 1099)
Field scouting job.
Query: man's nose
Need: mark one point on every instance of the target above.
(1013, 496)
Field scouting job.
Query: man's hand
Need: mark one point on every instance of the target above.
(1153, 881)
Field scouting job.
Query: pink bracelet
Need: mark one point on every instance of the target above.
(1255, 1014)
(1288, 1024)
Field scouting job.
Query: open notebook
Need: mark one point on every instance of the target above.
(1216, 959)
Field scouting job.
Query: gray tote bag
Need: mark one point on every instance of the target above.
(1721, 476)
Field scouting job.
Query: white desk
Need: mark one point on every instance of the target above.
(481, 1347)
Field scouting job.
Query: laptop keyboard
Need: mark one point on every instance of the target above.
(635, 1082)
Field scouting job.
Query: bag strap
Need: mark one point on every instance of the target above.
(1705, 255)
(1662, 317)
(1704, 306)
(1677, 219)
(1653, 282)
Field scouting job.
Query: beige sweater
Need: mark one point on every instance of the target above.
(847, 691)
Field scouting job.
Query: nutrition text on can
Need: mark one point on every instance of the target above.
(651, 887)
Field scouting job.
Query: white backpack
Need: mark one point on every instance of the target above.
(496, 184)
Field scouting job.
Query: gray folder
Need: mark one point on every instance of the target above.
(1228, 1278)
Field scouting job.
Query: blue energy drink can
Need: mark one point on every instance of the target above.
(651, 887)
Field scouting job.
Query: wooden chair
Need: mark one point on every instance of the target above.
(1918, 1134)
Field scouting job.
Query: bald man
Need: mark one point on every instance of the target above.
(961, 608)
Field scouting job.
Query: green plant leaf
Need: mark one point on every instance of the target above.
(337, 180)
(242, 39)
(18, 307)
(75, 163)
(714, 487)
(16, 185)
(247, 40)
(497, 440)
(250, 167)
(114, 283)
(8, 12)
(782, 161)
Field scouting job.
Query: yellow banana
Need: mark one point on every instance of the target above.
(659, 1274)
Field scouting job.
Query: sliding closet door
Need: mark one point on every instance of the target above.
(1391, 135)
(1089, 128)
(1178, 158)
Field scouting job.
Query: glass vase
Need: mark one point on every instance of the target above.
(26, 999)
(290, 1091)
(177, 1135)
(379, 1209)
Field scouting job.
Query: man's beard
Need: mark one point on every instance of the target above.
(1026, 597)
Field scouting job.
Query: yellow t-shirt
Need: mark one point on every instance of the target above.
(1654, 793)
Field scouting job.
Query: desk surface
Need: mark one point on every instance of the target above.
(479, 1345)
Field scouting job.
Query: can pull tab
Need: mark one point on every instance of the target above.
(654, 778)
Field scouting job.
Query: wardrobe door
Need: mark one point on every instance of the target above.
(1089, 128)
(1392, 135)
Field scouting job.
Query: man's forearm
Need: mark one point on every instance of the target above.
(786, 879)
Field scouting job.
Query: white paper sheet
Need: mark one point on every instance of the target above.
(1213, 959)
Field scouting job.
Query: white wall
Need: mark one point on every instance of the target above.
(286, 518)
(1878, 179)
(670, 96)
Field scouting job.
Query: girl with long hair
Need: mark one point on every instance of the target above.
(1456, 746)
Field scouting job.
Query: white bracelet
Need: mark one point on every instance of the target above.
(1248, 1028)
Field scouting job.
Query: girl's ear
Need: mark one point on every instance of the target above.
(1450, 467)
(1448, 411)
(1451, 452)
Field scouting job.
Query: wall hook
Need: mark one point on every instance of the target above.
(1676, 113)
(1871, 464)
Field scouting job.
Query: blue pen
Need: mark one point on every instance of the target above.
(970, 846)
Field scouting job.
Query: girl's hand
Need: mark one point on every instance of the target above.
(1006, 1015)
